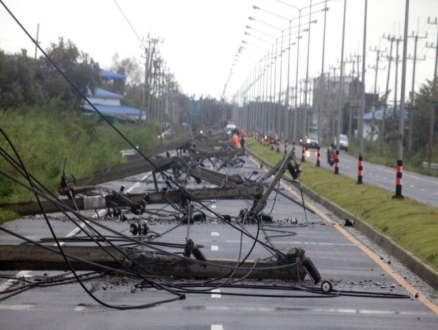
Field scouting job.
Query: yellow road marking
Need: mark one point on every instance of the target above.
(400, 280)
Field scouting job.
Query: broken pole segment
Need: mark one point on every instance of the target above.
(84, 258)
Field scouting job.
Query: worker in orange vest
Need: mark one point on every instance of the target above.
(236, 139)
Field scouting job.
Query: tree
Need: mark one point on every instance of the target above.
(421, 121)
(133, 88)
(77, 66)
(18, 83)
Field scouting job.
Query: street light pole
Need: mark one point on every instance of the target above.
(295, 126)
(398, 185)
(321, 89)
(360, 160)
(341, 92)
(303, 145)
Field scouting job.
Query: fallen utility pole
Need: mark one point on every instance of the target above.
(113, 200)
(120, 171)
(83, 258)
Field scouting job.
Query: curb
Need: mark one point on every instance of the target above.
(425, 272)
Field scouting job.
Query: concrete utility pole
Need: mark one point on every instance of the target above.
(387, 90)
(434, 95)
(401, 128)
(354, 101)
(36, 39)
(397, 60)
(149, 56)
(412, 107)
(376, 70)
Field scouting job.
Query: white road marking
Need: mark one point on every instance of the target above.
(216, 327)
(213, 206)
(216, 294)
(284, 242)
(135, 185)
(9, 283)
(214, 233)
(17, 307)
(79, 308)
(77, 229)
(214, 248)
(317, 310)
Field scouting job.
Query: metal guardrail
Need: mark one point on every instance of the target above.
(129, 152)
(432, 167)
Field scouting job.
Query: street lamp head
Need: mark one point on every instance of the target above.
(251, 18)
(248, 27)
(255, 7)
(314, 21)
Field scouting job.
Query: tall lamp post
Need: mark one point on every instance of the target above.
(279, 126)
(258, 105)
(341, 92)
(321, 89)
(265, 112)
(295, 128)
(360, 159)
(398, 184)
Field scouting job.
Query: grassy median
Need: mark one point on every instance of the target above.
(410, 224)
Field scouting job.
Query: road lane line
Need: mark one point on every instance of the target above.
(135, 185)
(17, 307)
(368, 252)
(216, 327)
(216, 293)
(214, 248)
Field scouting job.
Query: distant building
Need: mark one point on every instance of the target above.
(351, 102)
(108, 103)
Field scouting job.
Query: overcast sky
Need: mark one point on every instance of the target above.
(201, 37)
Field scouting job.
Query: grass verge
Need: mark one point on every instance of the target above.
(45, 138)
(411, 224)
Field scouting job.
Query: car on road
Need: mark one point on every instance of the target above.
(312, 141)
(343, 142)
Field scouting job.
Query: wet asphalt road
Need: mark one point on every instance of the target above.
(342, 260)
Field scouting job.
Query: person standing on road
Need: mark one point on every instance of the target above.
(236, 138)
(242, 142)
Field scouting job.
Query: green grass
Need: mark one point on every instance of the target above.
(409, 223)
(45, 137)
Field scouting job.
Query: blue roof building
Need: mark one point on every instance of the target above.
(108, 102)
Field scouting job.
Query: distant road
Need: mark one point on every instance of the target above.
(419, 187)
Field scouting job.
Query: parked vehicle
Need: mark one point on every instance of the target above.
(229, 128)
(343, 142)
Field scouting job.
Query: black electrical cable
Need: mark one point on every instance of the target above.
(36, 192)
